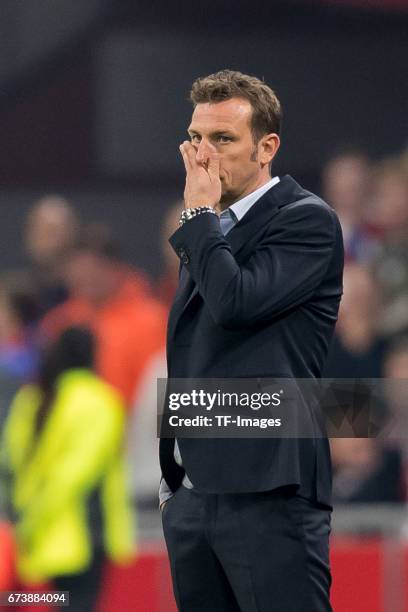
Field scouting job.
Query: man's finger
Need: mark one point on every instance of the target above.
(186, 159)
(191, 153)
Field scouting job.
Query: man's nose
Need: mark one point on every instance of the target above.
(204, 149)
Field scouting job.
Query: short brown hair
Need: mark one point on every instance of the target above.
(226, 84)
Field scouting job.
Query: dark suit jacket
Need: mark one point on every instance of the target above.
(259, 302)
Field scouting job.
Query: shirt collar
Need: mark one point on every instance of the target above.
(240, 208)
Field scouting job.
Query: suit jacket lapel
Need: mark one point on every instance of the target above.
(285, 192)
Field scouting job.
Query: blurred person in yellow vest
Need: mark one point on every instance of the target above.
(62, 445)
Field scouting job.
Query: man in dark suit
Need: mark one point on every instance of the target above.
(247, 521)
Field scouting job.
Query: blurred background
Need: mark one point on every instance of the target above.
(93, 105)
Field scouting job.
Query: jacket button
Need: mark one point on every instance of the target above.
(183, 256)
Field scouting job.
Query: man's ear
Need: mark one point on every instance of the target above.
(268, 147)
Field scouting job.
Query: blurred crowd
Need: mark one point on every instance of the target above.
(371, 338)
(78, 328)
(82, 344)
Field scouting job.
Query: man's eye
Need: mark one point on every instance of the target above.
(222, 138)
(195, 138)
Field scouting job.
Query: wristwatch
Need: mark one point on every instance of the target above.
(189, 213)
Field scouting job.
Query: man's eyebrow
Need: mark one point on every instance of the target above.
(226, 131)
(215, 133)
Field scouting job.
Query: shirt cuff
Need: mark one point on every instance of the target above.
(164, 492)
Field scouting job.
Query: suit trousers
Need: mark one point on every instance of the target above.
(248, 552)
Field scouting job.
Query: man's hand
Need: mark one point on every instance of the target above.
(203, 185)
